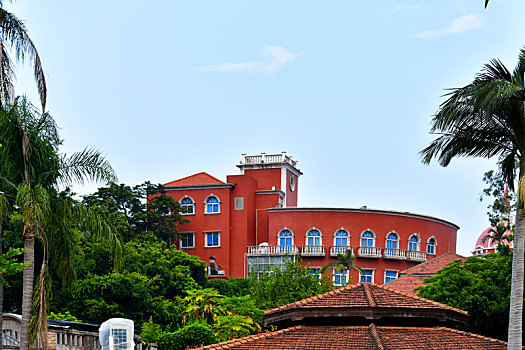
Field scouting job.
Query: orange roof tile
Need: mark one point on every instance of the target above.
(195, 179)
(405, 284)
(362, 337)
(364, 295)
(431, 267)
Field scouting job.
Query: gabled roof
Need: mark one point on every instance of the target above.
(362, 337)
(405, 284)
(195, 179)
(364, 300)
(431, 267)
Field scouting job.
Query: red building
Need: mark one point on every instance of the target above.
(252, 221)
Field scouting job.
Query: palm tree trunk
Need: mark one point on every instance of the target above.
(1, 295)
(516, 290)
(27, 293)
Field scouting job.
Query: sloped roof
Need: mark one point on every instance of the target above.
(364, 300)
(361, 337)
(431, 267)
(405, 284)
(202, 178)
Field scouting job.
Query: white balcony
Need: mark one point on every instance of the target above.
(334, 250)
(264, 158)
(312, 250)
(392, 253)
(369, 252)
(415, 255)
(273, 250)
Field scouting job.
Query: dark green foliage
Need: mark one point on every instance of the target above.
(480, 286)
(283, 286)
(502, 200)
(190, 336)
(231, 287)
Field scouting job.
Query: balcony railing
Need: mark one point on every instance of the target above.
(340, 249)
(369, 252)
(273, 250)
(415, 255)
(268, 159)
(312, 250)
(394, 253)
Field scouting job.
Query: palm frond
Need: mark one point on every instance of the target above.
(86, 164)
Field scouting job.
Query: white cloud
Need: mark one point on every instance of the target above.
(400, 8)
(459, 25)
(278, 57)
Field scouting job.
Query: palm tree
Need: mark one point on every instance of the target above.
(486, 118)
(343, 262)
(14, 38)
(499, 234)
(30, 170)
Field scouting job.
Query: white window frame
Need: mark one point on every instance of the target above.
(374, 237)
(181, 205)
(181, 240)
(206, 205)
(387, 240)
(279, 236)
(347, 238)
(397, 275)
(344, 273)
(373, 275)
(206, 233)
(435, 245)
(307, 236)
(418, 246)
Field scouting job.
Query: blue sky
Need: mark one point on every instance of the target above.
(170, 88)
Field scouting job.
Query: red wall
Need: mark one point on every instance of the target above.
(291, 196)
(266, 178)
(328, 221)
(201, 222)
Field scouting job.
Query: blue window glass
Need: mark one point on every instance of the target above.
(339, 277)
(285, 237)
(367, 239)
(391, 241)
(212, 204)
(316, 271)
(431, 246)
(212, 239)
(187, 240)
(367, 276)
(187, 205)
(413, 243)
(341, 238)
(390, 276)
(313, 237)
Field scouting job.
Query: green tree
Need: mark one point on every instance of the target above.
(479, 285)
(343, 262)
(294, 282)
(485, 119)
(31, 169)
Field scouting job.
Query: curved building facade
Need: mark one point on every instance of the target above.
(252, 222)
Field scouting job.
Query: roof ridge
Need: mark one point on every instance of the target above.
(228, 344)
(295, 304)
(424, 299)
(376, 337)
(193, 175)
(428, 261)
(369, 295)
(471, 334)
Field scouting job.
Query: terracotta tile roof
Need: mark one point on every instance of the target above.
(195, 179)
(364, 295)
(405, 284)
(431, 267)
(361, 337)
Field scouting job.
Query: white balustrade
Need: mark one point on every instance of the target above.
(312, 250)
(416, 255)
(393, 253)
(369, 252)
(273, 250)
(335, 250)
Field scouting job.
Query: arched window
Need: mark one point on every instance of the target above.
(392, 241)
(213, 205)
(413, 243)
(367, 239)
(285, 237)
(187, 205)
(313, 237)
(431, 246)
(341, 238)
